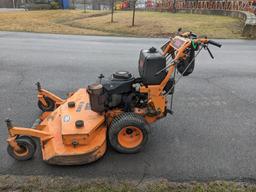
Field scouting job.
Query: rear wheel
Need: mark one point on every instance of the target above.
(128, 133)
(26, 151)
(49, 107)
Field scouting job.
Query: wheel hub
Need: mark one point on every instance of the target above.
(130, 137)
(22, 151)
(129, 131)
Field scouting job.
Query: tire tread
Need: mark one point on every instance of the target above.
(122, 120)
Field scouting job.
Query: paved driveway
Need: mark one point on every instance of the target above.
(211, 135)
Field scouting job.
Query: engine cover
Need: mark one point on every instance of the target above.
(118, 83)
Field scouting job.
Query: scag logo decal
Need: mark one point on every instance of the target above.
(66, 118)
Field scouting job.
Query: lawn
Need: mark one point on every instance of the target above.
(147, 24)
(47, 22)
(68, 184)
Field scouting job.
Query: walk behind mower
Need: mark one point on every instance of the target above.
(118, 109)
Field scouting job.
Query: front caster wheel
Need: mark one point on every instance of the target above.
(49, 107)
(128, 133)
(27, 149)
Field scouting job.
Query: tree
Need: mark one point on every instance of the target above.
(174, 6)
(133, 12)
(74, 4)
(84, 6)
(112, 3)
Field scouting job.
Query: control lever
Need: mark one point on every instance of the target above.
(193, 35)
(179, 30)
(210, 53)
(168, 66)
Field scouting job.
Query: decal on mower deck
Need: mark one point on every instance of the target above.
(79, 108)
(66, 118)
(87, 106)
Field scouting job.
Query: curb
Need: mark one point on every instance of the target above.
(249, 29)
(4, 10)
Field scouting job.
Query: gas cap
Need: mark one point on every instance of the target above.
(152, 50)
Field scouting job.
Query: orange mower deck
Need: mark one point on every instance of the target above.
(72, 134)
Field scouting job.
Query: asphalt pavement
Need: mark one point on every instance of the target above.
(211, 135)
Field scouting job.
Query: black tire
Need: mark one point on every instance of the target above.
(28, 146)
(50, 105)
(122, 122)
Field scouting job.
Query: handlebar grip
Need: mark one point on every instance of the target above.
(214, 43)
(193, 35)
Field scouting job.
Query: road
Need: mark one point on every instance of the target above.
(211, 136)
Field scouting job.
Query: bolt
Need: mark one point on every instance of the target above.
(75, 143)
(79, 124)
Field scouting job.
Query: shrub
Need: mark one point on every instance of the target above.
(54, 5)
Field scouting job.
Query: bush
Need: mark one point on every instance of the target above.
(54, 5)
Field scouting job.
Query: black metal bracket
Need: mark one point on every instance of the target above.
(38, 86)
(9, 123)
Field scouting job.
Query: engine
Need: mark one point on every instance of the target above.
(120, 90)
(114, 91)
(118, 87)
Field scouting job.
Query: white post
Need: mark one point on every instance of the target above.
(13, 2)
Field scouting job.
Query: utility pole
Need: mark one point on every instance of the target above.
(133, 14)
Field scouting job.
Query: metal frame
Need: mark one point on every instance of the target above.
(42, 94)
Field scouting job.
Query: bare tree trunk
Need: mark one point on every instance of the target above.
(74, 4)
(30, 3)
(133, 14)
(112, 10)
(174, 6)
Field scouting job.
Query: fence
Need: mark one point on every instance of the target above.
(218, 5)
(172, 5)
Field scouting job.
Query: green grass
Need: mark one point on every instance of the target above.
(155, 24)
(68, 184)
(147, 24)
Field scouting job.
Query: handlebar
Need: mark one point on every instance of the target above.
(214, 43)
(193, 35)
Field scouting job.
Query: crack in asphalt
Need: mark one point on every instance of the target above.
(22, 77)
(146, 165)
